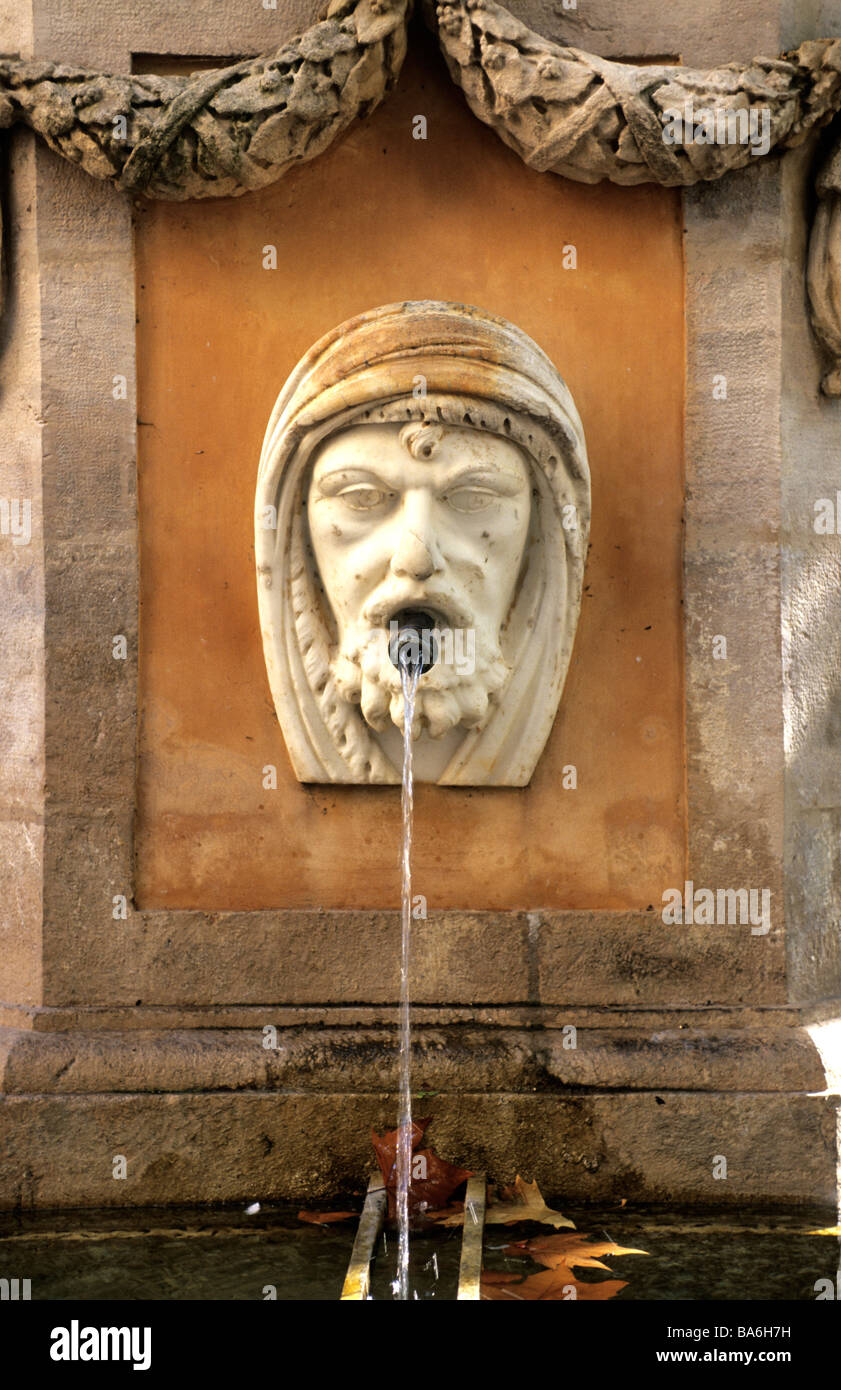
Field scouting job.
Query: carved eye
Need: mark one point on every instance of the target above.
(364, 499)
(470, 499)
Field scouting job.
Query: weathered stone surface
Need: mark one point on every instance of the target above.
(234, 1147)
(250, 1016)
(811, 627)
(22, 583)
(211, 1115)
(189, 958)
(450, 1059)
(650, 32)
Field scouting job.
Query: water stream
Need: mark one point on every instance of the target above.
(410, 670)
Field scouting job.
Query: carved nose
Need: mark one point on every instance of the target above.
(414, 557)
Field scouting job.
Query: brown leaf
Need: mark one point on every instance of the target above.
(524, 1204)
(440, 1183)
(569, 1249)
(560, 1253)
(440, 1214)
(527, 1205)
(432, 1180)
(452, 1215)
(385, 1148)
(323, 1218)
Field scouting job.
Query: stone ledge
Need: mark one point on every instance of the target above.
(59, 1150)
(453, 1060)
(93, 1018)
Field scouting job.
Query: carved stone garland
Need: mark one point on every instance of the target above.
(226, 131)
(589, 118)
(218, 133)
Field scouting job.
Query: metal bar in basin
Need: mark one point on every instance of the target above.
(470, 1269)
(358, 1277)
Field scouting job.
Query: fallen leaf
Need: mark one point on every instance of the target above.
(324, 1218)
(574, 1249)
(551, 1285)
(441, 1181)
(385, 1147)
(595, 1290)
(432, 1181)
(451, 1209)
(527, 1205)
(560, 1254)
(447, 1217)
(523, 1204)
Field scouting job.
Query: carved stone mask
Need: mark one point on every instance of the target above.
(424, 456)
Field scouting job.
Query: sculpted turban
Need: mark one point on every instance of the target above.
(454, 368)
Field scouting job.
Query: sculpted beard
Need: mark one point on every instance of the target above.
(446, 698)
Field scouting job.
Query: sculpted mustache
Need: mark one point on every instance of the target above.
(380, 612)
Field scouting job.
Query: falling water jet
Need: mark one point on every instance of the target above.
(413, 649)
(407, 647)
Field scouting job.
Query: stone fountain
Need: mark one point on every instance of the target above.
(201, 936)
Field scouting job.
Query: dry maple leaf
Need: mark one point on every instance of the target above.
(526, 1204)
(432, 1180)
(560, 1254)
(324, 1218)
(568, 1250)
(441, 1181)
(385, 1147)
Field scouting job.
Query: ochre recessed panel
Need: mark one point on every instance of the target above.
(378, 218)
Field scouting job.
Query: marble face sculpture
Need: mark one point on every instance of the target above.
(423, 457)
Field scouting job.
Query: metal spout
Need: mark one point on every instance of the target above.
(412, 639)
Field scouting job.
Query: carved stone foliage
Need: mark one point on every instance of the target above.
(222, 132)
(468, 501)
(824, 268)
(590, 119)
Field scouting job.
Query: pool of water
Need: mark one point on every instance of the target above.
(226, 1254)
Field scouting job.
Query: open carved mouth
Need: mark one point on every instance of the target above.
(413, 639)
